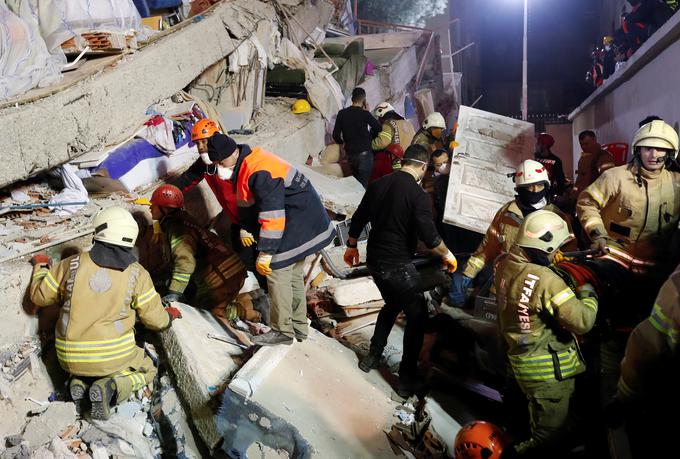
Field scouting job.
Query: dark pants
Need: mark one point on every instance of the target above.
(361, 165)
(401, 288)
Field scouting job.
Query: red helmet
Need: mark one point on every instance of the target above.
(395, 149)
(545, 139)
(168, 196)
(479, 440)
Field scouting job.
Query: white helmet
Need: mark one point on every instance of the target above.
(116, 226)
(434, 120)
(657, 134)
(530, 172)
(382, 109)
(543, 230)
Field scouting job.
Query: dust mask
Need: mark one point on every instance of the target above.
(225, 173)
(206, 159)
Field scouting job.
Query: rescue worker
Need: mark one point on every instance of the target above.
(630, 215)
(400, 213)
(211, 145)
(552, 163)
(532, 185)
(197, 262)
(431, 133)
(440, 164)
(538, 315)
(593, 162)
(650, 375)
(278, 203)
(395, 130)
(102, 292)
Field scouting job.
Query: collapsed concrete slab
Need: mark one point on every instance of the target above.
(339, 195)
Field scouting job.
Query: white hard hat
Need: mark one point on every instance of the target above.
(543, 230)
(530, 172)
(382, 109)
(116, 226)
(434, 120)
(657, 134)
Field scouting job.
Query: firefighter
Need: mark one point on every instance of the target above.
(279, 205)
(102, 292)
(431, 134)
(532, 186)
(593, 162)
(552, 163)
(395, 131)
(538, 316)
(200, 263)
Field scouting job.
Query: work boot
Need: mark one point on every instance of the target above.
(272, 338)
(410, 385)
(370, 362)
(300, 338)
(102, 394)
(77, 388)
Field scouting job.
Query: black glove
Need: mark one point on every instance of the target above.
(170, 297)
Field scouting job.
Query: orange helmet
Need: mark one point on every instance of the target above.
(203, 129)
(168, 196)
(479, 440)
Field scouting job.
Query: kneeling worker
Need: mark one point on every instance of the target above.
(101, 293)
(198, 258)
(538, 315)
(400, 213)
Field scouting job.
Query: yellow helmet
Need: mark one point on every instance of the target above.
(301, 106)
(543, 230)
(657, 134)
(116, 226)
(607, 40)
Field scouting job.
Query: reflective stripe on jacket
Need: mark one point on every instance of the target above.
(538, 314)
(394, 132)
(95, 330)
(279, 205)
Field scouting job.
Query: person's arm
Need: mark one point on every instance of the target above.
(427, 231)
(191, 177)
(374, 124)
(360, 218)
(182, 249)
(270, 194)
(337, 129)
(488, 249)
(575, 312)
(605, 161)
(589, 208)
(384, 138)
(147, 303)
(560, 179)
(45, 289)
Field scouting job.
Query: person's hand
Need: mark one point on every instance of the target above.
(171, 297)
(40, 259)
(450, 262)
(351, 256)
(175, 313)
(262, 264)
(247, 239)
(600, 244)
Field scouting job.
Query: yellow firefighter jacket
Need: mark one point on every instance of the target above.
(427, 141)
(638, 219)
(501, 235)
(198, 255)
(538, 315)
(394, 131)
(95, 330)
(650, 366)
(590, 167)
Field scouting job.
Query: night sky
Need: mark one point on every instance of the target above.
(561, 35)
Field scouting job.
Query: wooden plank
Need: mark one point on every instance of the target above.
(355, 324)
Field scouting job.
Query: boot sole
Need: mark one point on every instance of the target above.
(100, 407)
(77, 395)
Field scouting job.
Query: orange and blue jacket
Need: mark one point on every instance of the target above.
(279, 204)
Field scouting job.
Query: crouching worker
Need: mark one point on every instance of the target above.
(101, 294)
(199, 265)
(538, 316)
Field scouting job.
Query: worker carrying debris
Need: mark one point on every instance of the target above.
(396, 131)
(400, 213)
(278, 205)
(532, 186)
(201, 270)
(538, 315)
(101, 293)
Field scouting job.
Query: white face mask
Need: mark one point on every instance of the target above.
(225, 173)
(540, 204)
(205, 158)
(444, 169)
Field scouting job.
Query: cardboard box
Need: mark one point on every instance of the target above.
(153, 22)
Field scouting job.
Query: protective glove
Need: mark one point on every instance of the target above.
(262, 263)
(600, 244)
(459, 285)
(450, 262)
(559, 257)
(174, 313)
(170, 297)
(157, 232)
(40, 259)
(351, 256)
(247, 239)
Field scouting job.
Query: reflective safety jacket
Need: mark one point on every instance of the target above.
(194, 252)
(394, 132)
(590, 167)
(95, 331)
(278, 204)
(638, 219)
(427, 141)
(651, 366)
(538, 315)
(500, 236)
